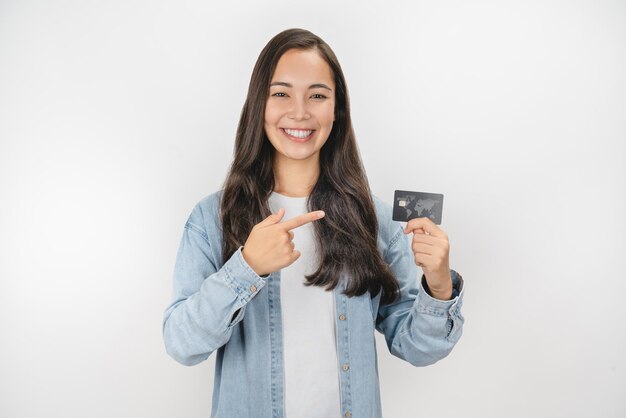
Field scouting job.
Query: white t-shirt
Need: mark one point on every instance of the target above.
(308, 316)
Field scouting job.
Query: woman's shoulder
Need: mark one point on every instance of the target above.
(382, 207)
(387, 227)
(210, 202)
(205, 213)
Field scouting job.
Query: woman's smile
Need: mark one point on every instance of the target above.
(298, 135)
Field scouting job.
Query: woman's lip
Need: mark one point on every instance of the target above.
(295, 138)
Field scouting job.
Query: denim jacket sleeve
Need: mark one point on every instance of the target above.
(417, 327)
(208, 300)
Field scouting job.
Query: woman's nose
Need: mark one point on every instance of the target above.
(299, 110)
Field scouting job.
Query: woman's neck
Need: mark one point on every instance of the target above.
(295, 178)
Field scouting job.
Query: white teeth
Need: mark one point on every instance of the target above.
(298, 133)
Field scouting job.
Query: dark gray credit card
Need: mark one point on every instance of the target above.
(408, 205)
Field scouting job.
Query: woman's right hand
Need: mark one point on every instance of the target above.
(269, 246)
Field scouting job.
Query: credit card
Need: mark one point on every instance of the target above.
(408, 205)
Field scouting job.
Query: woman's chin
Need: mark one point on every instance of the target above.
(299, 155)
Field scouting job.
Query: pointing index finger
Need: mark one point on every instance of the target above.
(302, 219)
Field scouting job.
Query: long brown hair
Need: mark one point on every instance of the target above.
(347, 235)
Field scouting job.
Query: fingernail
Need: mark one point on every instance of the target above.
(320, 214)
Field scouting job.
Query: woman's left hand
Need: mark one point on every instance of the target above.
(431, 250)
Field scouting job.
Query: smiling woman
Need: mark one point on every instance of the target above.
(289, 269)
(299, 116)
(300, 108)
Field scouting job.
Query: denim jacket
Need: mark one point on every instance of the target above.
(228, 308)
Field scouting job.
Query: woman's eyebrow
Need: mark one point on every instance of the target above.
(312, 86)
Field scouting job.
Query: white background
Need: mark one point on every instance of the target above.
(117, 117)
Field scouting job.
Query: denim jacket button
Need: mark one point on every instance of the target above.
(342, 317)
(346, 367)
(253, 288)
(347, 414)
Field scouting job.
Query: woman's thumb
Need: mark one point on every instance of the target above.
(278, 215)
(274, 218)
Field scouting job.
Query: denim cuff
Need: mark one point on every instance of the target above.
(438, 307)
(241, 278)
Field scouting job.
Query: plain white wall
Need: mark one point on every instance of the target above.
(117, 117)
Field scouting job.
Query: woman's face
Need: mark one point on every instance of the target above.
(300, 107)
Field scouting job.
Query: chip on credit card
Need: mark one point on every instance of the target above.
(408, 205)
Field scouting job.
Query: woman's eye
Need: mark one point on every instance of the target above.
(278, 94)
(318, 96)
